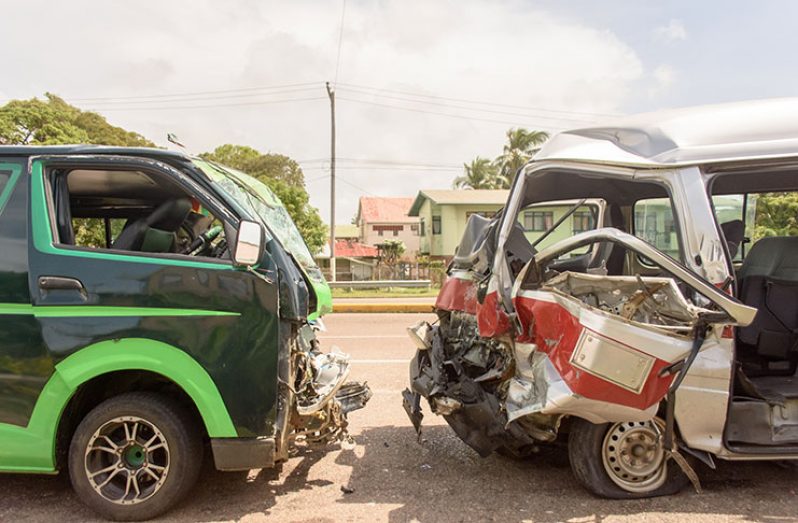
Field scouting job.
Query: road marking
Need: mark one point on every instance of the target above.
(380, 362)
(359, 337)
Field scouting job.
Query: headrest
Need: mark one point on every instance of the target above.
(169, 216)
(734, 232)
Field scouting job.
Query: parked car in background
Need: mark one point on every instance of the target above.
(661, 338)
(188, 320)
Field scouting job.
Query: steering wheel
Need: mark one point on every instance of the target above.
(202, 242)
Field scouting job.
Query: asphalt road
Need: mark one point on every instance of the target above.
(390, 476)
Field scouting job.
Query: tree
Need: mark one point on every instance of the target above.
(390, 253)
(776, 215)
(283, 176)
(481, 173)
(521, 146)
(53, 121)
(254, 163)
(306, 217)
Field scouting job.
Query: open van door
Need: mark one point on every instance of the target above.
(609, 348)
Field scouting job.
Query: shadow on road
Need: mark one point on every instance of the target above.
(394, 477)
(441, 479)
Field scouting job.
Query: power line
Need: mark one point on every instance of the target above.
(460, 116)
(340, 40)
(239, 90)
(494, 111)
(385, 168)
(203, 98)
(480, 102)
(381, 162)
(210, 106)
(317, 179)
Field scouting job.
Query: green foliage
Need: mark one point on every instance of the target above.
(283, 176)
(254, 163)
(390, 253)
(481, 173)
(776, 215)
(391, 250)
(305, 216)
(90, 232)
(53, 121)
(521, 146)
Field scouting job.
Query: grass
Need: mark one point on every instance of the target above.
(384, 293)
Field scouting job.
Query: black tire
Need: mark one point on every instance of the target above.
(152, 414)
(585, 447)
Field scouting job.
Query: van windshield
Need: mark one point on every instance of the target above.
(258, 199)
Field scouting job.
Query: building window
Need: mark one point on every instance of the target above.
(538, 220)
(422, 227)
(395, 229)
(583, 221)
(436, 225)
(414, 229)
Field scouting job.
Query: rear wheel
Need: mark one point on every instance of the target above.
(623, 460)
(134, 456)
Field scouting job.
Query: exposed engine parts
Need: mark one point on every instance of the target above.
(323, 397)
(464, 377)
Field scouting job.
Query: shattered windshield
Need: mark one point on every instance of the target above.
(256, 197)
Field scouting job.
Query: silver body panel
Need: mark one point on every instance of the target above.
(673, 149)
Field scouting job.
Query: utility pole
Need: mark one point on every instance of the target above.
(331, 94)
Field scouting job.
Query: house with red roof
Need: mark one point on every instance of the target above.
(353, 259)
(386, 218)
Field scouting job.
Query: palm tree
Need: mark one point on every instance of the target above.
(481, 173)
(521, 146)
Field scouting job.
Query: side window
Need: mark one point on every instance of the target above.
(5, 176)
(655, 224)
(134, 211)
(91, 232)
(538, 219)
(747, 218)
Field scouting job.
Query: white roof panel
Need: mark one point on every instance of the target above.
(695, 135)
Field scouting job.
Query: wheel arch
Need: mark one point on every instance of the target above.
(33, 448)
(141, 354)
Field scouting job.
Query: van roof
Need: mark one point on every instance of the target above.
(35, 150)
(759, 129)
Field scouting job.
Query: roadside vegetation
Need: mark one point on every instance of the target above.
(386, 292)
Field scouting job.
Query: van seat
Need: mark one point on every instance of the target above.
(769, 282)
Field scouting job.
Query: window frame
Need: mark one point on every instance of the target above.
(437, 225)
(676, 226)
(45, 234)
(547, 220)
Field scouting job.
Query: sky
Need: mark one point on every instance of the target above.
(421, 86)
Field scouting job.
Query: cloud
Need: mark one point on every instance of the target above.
(673, 31)
(506, 52)
(663, 77)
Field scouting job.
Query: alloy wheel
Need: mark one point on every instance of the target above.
(127, 460)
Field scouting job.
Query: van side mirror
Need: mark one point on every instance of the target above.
(249, 244)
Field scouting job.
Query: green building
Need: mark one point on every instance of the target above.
(443, 215)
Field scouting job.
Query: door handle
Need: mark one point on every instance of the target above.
(53, 283)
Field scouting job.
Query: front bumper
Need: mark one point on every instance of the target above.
(243, 453)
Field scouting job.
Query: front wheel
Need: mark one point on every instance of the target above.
(134, 456)
(623, 460)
